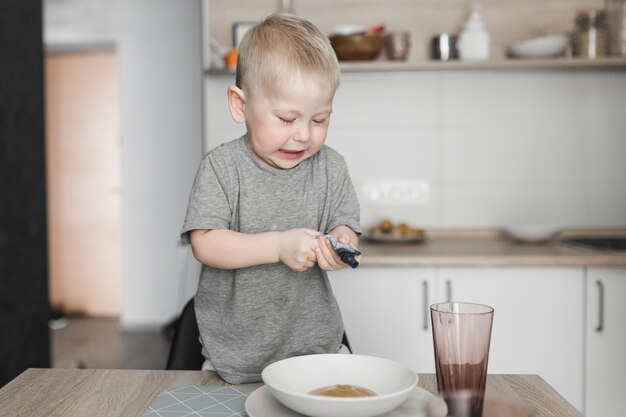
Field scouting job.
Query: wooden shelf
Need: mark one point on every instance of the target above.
(503, 64)
(618, 63)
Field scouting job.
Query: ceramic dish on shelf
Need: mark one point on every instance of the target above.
(291, 381)
(541, 47)
(349, 29)
(363, 47)
(532, 233)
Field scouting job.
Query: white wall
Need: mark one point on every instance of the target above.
(159, 44)
(161, 123)
(497, 147)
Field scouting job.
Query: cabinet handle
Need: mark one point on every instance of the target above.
(425, 302)
(449, 290)
(600, 326)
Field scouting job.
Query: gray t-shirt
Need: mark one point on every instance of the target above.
(251, 317)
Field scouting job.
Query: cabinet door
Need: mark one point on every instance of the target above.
(385, 312)
(606, 342)
(538, 320)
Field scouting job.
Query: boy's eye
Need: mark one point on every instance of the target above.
(286, 121)
(320, 122)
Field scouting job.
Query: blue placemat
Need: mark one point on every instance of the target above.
(200, 400)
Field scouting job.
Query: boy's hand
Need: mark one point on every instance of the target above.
(296, 248)
(327, 258)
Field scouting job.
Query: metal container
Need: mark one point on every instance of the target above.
(591, 34)
(397, 45)
(443, 47)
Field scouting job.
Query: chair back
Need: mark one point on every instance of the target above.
(186, 350)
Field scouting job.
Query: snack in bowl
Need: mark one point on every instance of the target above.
(386, 230)
(292, 380)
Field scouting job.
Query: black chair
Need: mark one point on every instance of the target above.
(186, 350)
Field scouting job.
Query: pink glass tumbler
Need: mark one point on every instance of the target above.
(461, 336)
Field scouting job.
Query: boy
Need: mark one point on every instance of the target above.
(261, 204)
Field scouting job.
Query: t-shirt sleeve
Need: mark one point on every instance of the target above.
(208, 206)
(345, 209)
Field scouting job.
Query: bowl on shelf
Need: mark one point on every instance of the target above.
(532, 232)
(362, 47)
(349, 29)
(540, 47)
(291, 381)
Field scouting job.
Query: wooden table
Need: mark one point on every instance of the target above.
(127, 393)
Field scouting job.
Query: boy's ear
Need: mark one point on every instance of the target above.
(237, 104)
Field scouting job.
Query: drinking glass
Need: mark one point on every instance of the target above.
(461, 336)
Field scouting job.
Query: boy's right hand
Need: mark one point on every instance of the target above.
(296, 248)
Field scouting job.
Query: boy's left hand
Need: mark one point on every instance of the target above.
(327, 258)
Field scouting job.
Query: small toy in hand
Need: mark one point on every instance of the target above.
(345, 251)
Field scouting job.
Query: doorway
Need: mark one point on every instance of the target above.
(83, 182)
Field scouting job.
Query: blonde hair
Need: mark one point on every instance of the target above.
(271, 51)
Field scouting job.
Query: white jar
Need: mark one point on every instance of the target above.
(474, 40)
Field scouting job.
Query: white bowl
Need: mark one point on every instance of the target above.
(347, 30)
(543, 46)
(291, 380)
(532, 233)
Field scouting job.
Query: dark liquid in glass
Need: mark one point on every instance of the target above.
(462, 387)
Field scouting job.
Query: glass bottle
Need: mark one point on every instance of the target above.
(474, 38)
(591, 34)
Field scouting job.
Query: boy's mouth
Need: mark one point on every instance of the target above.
(287, 154)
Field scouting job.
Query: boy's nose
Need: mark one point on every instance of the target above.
(303, 133)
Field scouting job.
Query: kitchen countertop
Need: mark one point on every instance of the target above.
(487, 248)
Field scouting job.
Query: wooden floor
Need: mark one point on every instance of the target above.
(98, 343)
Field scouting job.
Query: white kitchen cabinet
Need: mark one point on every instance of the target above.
(386, 313)
(538, 320)
(605, 368)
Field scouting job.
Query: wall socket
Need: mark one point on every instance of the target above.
(407, 193)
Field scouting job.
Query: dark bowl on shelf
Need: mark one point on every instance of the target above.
(356, 47)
